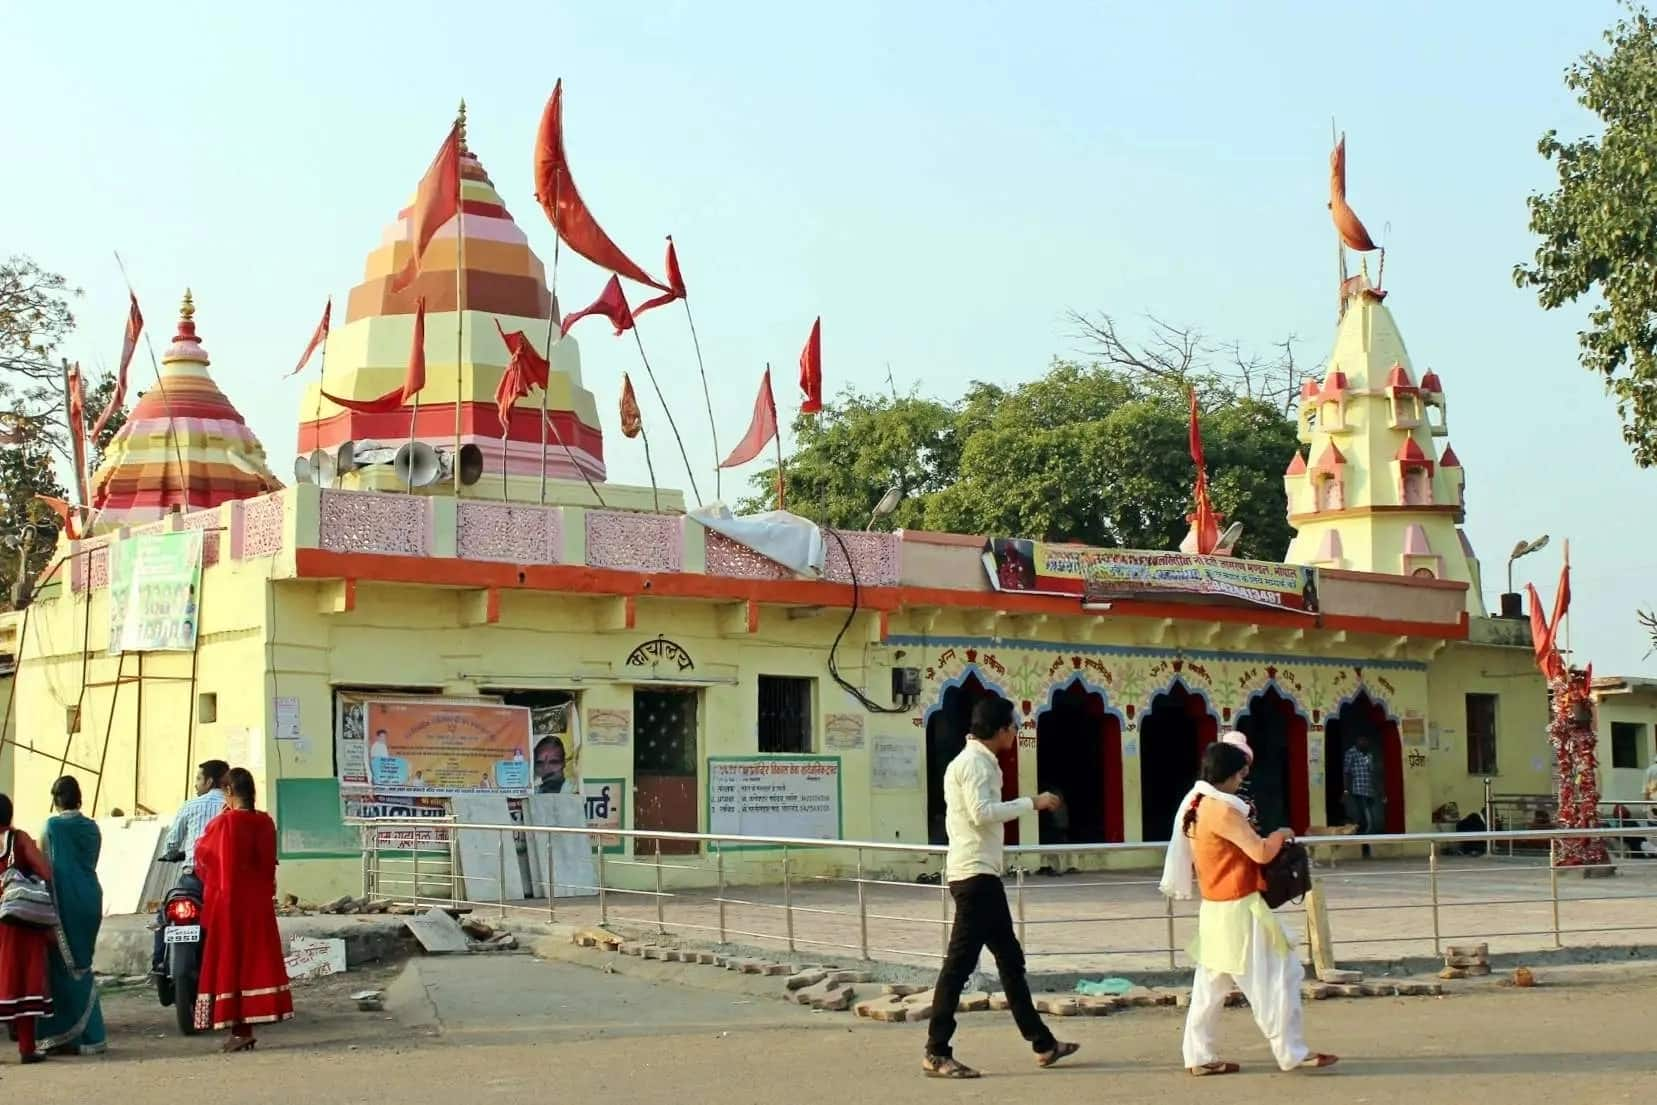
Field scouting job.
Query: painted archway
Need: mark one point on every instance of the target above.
(1173, 731)
(1363, 714)
(1079, 755)
(947, 722)
(1278, 781)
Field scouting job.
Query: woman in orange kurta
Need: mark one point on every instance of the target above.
(244, 979)
(25, 993)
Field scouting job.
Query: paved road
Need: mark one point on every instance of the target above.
(513, 1030)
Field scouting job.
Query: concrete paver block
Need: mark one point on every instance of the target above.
(1378, 989)
(1466, 961)
(1057, 1005)
(1315, 991)
(1096, 1006)
(1340, 977)
(883, 1008)
(805, 978)
(973, 1001)
(851, 976)
(998, 1001)
(1470, 951)
(901, 990)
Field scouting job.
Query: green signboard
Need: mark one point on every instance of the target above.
(155, 592)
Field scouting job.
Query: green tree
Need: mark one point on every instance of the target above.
(35, 318)
(1084, 453)
(26, 470)
(1598, 229)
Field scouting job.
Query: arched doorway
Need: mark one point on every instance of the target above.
(1079, 755)
(1363, 716)
(1172, 735)
(1277, 780)
(946, 735)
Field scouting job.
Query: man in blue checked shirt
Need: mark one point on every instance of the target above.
(1362, 797)
(188, 825)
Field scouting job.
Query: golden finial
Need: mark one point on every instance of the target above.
(460, 124)
(187, 310)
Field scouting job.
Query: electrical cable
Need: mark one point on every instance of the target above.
(834, 668)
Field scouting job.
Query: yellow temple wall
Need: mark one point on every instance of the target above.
(1638, 707)
(1523, 757)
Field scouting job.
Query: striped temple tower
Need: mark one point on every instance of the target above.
(184, 445)
(503, 280)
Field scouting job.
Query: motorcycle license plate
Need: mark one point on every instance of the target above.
(184, 934)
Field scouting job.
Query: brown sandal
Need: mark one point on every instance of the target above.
(235, 1044)
(1214, 1068)
(946, 1068)
(1318, 1061)
(1061, 1050)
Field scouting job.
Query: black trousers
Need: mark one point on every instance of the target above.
(982, 920)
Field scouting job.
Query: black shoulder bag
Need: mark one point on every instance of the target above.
(1288, 876)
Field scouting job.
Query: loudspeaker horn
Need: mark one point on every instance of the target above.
(345, 458)
(322, 467)
(302, 469)
(417, 464)
(471, 465)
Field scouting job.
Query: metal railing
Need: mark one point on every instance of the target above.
(864, 897)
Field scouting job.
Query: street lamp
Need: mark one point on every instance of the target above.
(888, 503)
(1512, 607)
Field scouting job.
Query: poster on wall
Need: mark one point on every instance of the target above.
(843, 732)
(427, 747)
(154, 587)
(400, 838)
(896, 764)
(351, 731)
(606, 810)
(1113, 574)
(1034, 567)
(610, 728)
(777, 796)
(554, 729)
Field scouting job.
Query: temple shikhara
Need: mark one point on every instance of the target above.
(448, 611)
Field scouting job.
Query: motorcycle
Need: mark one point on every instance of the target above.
(182, 936)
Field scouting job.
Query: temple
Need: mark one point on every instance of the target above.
(621, 667)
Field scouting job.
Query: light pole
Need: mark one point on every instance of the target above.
(1512, 607)
(888, 503)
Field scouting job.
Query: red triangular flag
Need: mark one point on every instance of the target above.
(66, 513)
(1561, 600)
(435, 202)
(611, 303)
(675, 279)
(1347, 224)
(1206, 525)
(555, 190)
(632, 423)
(77, 426)
(129, 343)
(318, 337)
(760, 431)
(525, 369)
(1541, 636)
(414, 380)
(811, 370)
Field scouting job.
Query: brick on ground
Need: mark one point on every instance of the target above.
(886, 1007)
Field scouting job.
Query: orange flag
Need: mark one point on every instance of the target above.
(760, 431)
(525, 370)
(811, 370)
(129, 343)
(435, 202)
(65, 513)
(1207, 527)
(675, 280)
(414, 379)
(632, 424)
(318, 337)
(611, 303)
(555, 190)
(1347, 224)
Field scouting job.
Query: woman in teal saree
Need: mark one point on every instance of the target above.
(72, 843)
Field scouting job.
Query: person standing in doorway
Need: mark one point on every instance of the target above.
(1365, 806)
(974, 817)
(188, 825)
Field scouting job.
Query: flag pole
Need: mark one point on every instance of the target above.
(460, 296)
(707, 398)
(669, 412)
(655, 495)
(166, 403)
(782, 502)
(321, 379)
(552, 320)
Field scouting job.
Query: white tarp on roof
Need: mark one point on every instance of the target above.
(794, 542)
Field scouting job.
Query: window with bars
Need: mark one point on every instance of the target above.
(1481, 734)
(1628, 744)
(785, 714)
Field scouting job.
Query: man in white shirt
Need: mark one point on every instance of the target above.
(188, 825)
(974, 820)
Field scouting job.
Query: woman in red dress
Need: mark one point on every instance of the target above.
(244, 979)
(25, 993)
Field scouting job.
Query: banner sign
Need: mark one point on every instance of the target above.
(1101, 575)
(1110, 574)
(402, 838)
(154, 588)
(778, 796)
(443, 748)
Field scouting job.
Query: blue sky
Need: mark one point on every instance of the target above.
(938, 181)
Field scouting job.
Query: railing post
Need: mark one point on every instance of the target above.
(551, 839)
(603, 902)
(661, 925)
(719, 862)
(414, 891)
(500, 882)
(1432, 879)
(1169, 904)
(862, 908)
(787, 898)
(1018, 892)
(1553, 883)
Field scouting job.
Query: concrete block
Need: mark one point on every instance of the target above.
(851, 976)
(998, 1001)
(900, 990)
(805, 978)
(837, 1000)
(1346, 990)
(1096, 1006)
(1340, 977)
(1315, 991)
(1378, 989)
(884, 1008)
(1419, 989)
(1057, 1005)
(1467, 951)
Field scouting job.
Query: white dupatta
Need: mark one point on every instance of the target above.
(1179, 873)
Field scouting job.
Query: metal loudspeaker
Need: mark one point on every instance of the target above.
(322, 467)
(345, 458)
(417, 464)
(302, 469)
(471, 465)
